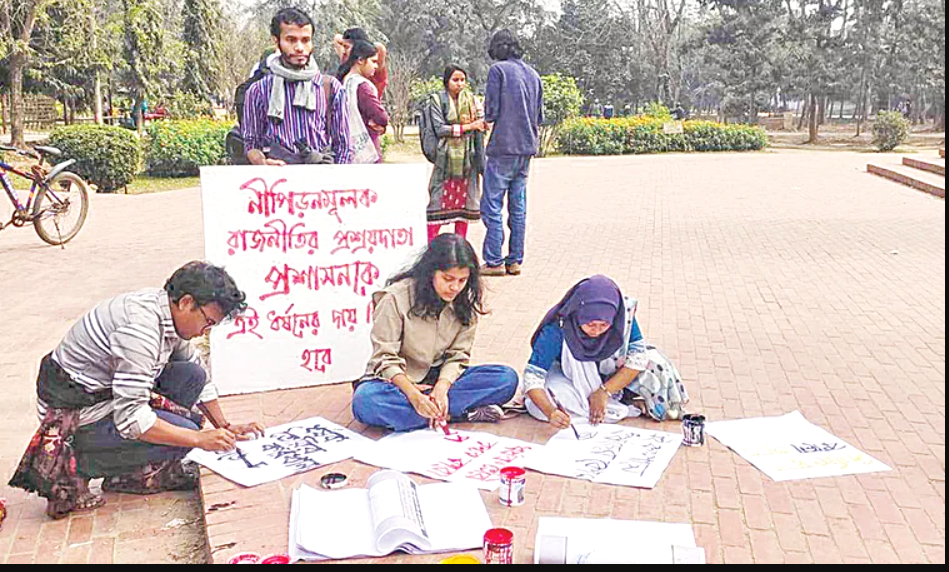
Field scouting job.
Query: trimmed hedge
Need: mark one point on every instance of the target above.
(108, 157)
(181, 148)
(640, 135)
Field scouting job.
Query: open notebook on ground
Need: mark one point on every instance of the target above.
(393, 513)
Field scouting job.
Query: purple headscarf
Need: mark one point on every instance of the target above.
(594, 299)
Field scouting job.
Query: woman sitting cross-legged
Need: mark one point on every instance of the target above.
(589, 355)
(423, 331)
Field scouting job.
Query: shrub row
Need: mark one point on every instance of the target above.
(111, 157)
(108, 157)
(639, 135)
(181, 148)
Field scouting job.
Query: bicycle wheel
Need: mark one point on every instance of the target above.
(60, 209)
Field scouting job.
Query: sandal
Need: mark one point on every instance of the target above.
(59, 509)
(154, 478)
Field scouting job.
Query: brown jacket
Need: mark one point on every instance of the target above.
(406, 344)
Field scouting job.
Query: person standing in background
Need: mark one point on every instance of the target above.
(514, 106)
(364, 104)
(455, 186)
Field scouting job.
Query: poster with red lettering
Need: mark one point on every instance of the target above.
(309, 245)
(460, 457)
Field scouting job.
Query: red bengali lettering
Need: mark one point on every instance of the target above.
(246, 324)
(346, 319)
(275, 236)
(484, 473)
(317, 361)
(267, 201)
(356, 275)
(369, 240)
(478, 449)
(295, 323)
(447, 468)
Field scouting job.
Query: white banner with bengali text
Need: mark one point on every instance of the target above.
(309, 245)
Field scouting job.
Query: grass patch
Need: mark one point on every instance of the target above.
(144, 184)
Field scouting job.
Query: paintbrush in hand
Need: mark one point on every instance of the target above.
(564, 411)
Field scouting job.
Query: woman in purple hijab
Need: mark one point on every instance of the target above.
(589, 361)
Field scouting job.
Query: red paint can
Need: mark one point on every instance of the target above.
(245, 558)
(277, 559)
(513, 483)
(499, 546)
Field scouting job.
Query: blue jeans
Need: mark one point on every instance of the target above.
(382, 404)
(102, 452)
(505, 175)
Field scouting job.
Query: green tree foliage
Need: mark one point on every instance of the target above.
(742, 54)
(144, 43)
(733, 58)
(562, 101)
(203, 40)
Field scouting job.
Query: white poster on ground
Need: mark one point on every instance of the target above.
(607, 541)
(284, 451)
(611, 454)
(460, 457)
(789, 448)
(309, 245)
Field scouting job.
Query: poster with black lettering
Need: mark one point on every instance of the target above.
(284, 451)
(789, 447)
(610, 454)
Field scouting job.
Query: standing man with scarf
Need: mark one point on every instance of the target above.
(290, 107)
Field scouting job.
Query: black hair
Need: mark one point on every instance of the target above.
(354, 34)
(450, 71)
(361, 50)
(447, 251)
(207, 284)
(504, 46)
(293, 16)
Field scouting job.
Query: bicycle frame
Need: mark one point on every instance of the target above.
(8, 187)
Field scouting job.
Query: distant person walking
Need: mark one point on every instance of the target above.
(514, 105)
(455, 186)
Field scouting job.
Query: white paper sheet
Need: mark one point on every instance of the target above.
(611, 454)
(285, 450)
(607, 541)
(790, 447)
(462, 457)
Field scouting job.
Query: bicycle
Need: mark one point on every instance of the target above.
(56, 197)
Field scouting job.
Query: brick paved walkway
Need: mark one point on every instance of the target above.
(776, 281)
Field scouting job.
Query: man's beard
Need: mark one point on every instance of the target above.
(285, 59)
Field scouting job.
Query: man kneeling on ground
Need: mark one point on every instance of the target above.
(117, 396)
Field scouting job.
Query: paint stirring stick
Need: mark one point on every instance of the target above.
(564, 411)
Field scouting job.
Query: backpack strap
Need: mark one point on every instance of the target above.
(328, 90)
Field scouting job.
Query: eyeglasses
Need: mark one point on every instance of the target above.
(209, 323)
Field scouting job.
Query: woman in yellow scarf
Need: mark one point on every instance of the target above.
(455, 187)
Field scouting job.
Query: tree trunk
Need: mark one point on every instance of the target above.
(17, 123)
(814, 120)
(138, 116)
